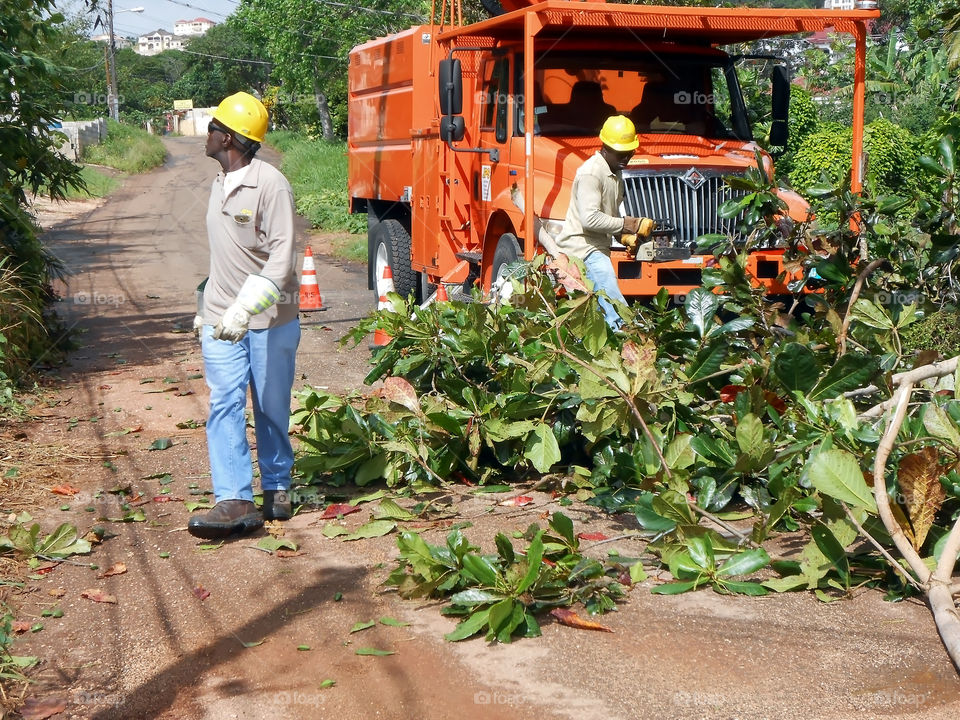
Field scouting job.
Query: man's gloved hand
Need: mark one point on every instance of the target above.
(638, 226)
(647, 226)
(197, 325)
(257, 294)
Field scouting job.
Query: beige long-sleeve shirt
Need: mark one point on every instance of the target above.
(251, 232)
(593, 217)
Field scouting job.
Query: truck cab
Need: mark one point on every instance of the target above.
(450, 126)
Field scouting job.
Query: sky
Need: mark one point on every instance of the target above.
(157, 13)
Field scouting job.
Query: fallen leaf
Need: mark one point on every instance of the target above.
(104, 387)
(284, 553)
(201, 592)
(45, 568)
(592, 536)
(571, 619)
(356, 628)
(336, 509)
(373, 651)
(68, 490)
(99, 596)
(115, 569)
(167, 498)
(57, 592)
(392, 622)
(21, 626)
(161, 444)
(42, 708)
(518, 501)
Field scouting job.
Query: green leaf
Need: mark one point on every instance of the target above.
(744, 587)
(542, 449)
(871, 314)
(329, 682)
(392, 622)
(331, 530)
(363, 626)
(272, 544)
(939, 424)
(750, 436)
(707, 361)
(373, 651)
(475, 596)
(745, 563)
(701, 307)
(796, 367)
(373, 529)
(837, 473)
(469, 627)
(389, 510)
(534, 562)
(637, 573)
(563, 526)
(368, 498)
(161, 444)
(850, 372)
(701, 552)
(675, 588)
(480, 569)
(832, 550)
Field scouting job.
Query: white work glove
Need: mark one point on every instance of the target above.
(257, 294)
(197, 325)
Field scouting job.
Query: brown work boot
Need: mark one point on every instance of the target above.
(277, 505)
(228, 517)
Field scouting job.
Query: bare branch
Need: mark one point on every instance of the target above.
(842, 340)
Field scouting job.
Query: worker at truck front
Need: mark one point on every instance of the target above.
(593, 218)
(248, 323)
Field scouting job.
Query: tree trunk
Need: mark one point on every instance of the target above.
(323, 110)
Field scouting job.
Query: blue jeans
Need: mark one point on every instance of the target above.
(264, 360)
(600, 273)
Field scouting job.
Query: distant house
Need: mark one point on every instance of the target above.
(838, 5)
(118, 40)
(157, 41)
(191, 28)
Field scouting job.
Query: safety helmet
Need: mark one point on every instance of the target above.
(244, 114)
(619, 133)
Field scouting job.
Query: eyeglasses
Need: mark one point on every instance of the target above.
(216, 128)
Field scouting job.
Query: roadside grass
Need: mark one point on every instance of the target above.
(317, 171)
(127, 148)
(99, 184)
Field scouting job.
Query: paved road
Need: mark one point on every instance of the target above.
(134, 263)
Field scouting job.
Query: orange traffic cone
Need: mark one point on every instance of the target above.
(380, 337)
(310, 299)
(442, 293)
(387, 285)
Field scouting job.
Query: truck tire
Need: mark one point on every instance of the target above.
(493, 7)
(508, 251)
(391, 246)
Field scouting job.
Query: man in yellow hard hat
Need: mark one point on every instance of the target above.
(593, 218)
(248, 323)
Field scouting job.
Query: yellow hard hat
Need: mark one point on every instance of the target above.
(244, 114)
(619, 133)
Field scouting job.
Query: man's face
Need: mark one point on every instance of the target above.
(616, 160)
(216, 139)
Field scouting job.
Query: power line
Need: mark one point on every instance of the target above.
(224, 57)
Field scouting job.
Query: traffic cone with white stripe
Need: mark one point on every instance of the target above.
(310, 299)
(387, 286)
(380, 337)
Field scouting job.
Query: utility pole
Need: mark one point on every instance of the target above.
(112, 102)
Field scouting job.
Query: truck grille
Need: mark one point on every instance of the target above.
(687, 200)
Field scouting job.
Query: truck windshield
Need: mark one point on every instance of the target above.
(687, 95)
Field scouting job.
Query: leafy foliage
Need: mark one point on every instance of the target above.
(501, 594)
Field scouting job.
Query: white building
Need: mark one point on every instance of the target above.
(197, 26)
(838, 4)
(119, 41)
(158, 41)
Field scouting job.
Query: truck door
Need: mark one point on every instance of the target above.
(489, 175)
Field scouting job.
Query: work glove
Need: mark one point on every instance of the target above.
(257, 294)
(630, 242)
(638, 226)
(197, 325)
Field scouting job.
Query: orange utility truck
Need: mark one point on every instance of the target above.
(453, 128)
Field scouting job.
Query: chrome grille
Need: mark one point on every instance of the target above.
(670, 198)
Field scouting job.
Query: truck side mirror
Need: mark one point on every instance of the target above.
(779, 128)
(450, 83)
(452, 128)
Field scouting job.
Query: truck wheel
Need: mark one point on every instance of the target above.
(508, 251)
(391, 246)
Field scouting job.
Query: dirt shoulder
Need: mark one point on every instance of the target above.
(216, 632)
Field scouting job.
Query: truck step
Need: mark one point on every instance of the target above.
(473, 258)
